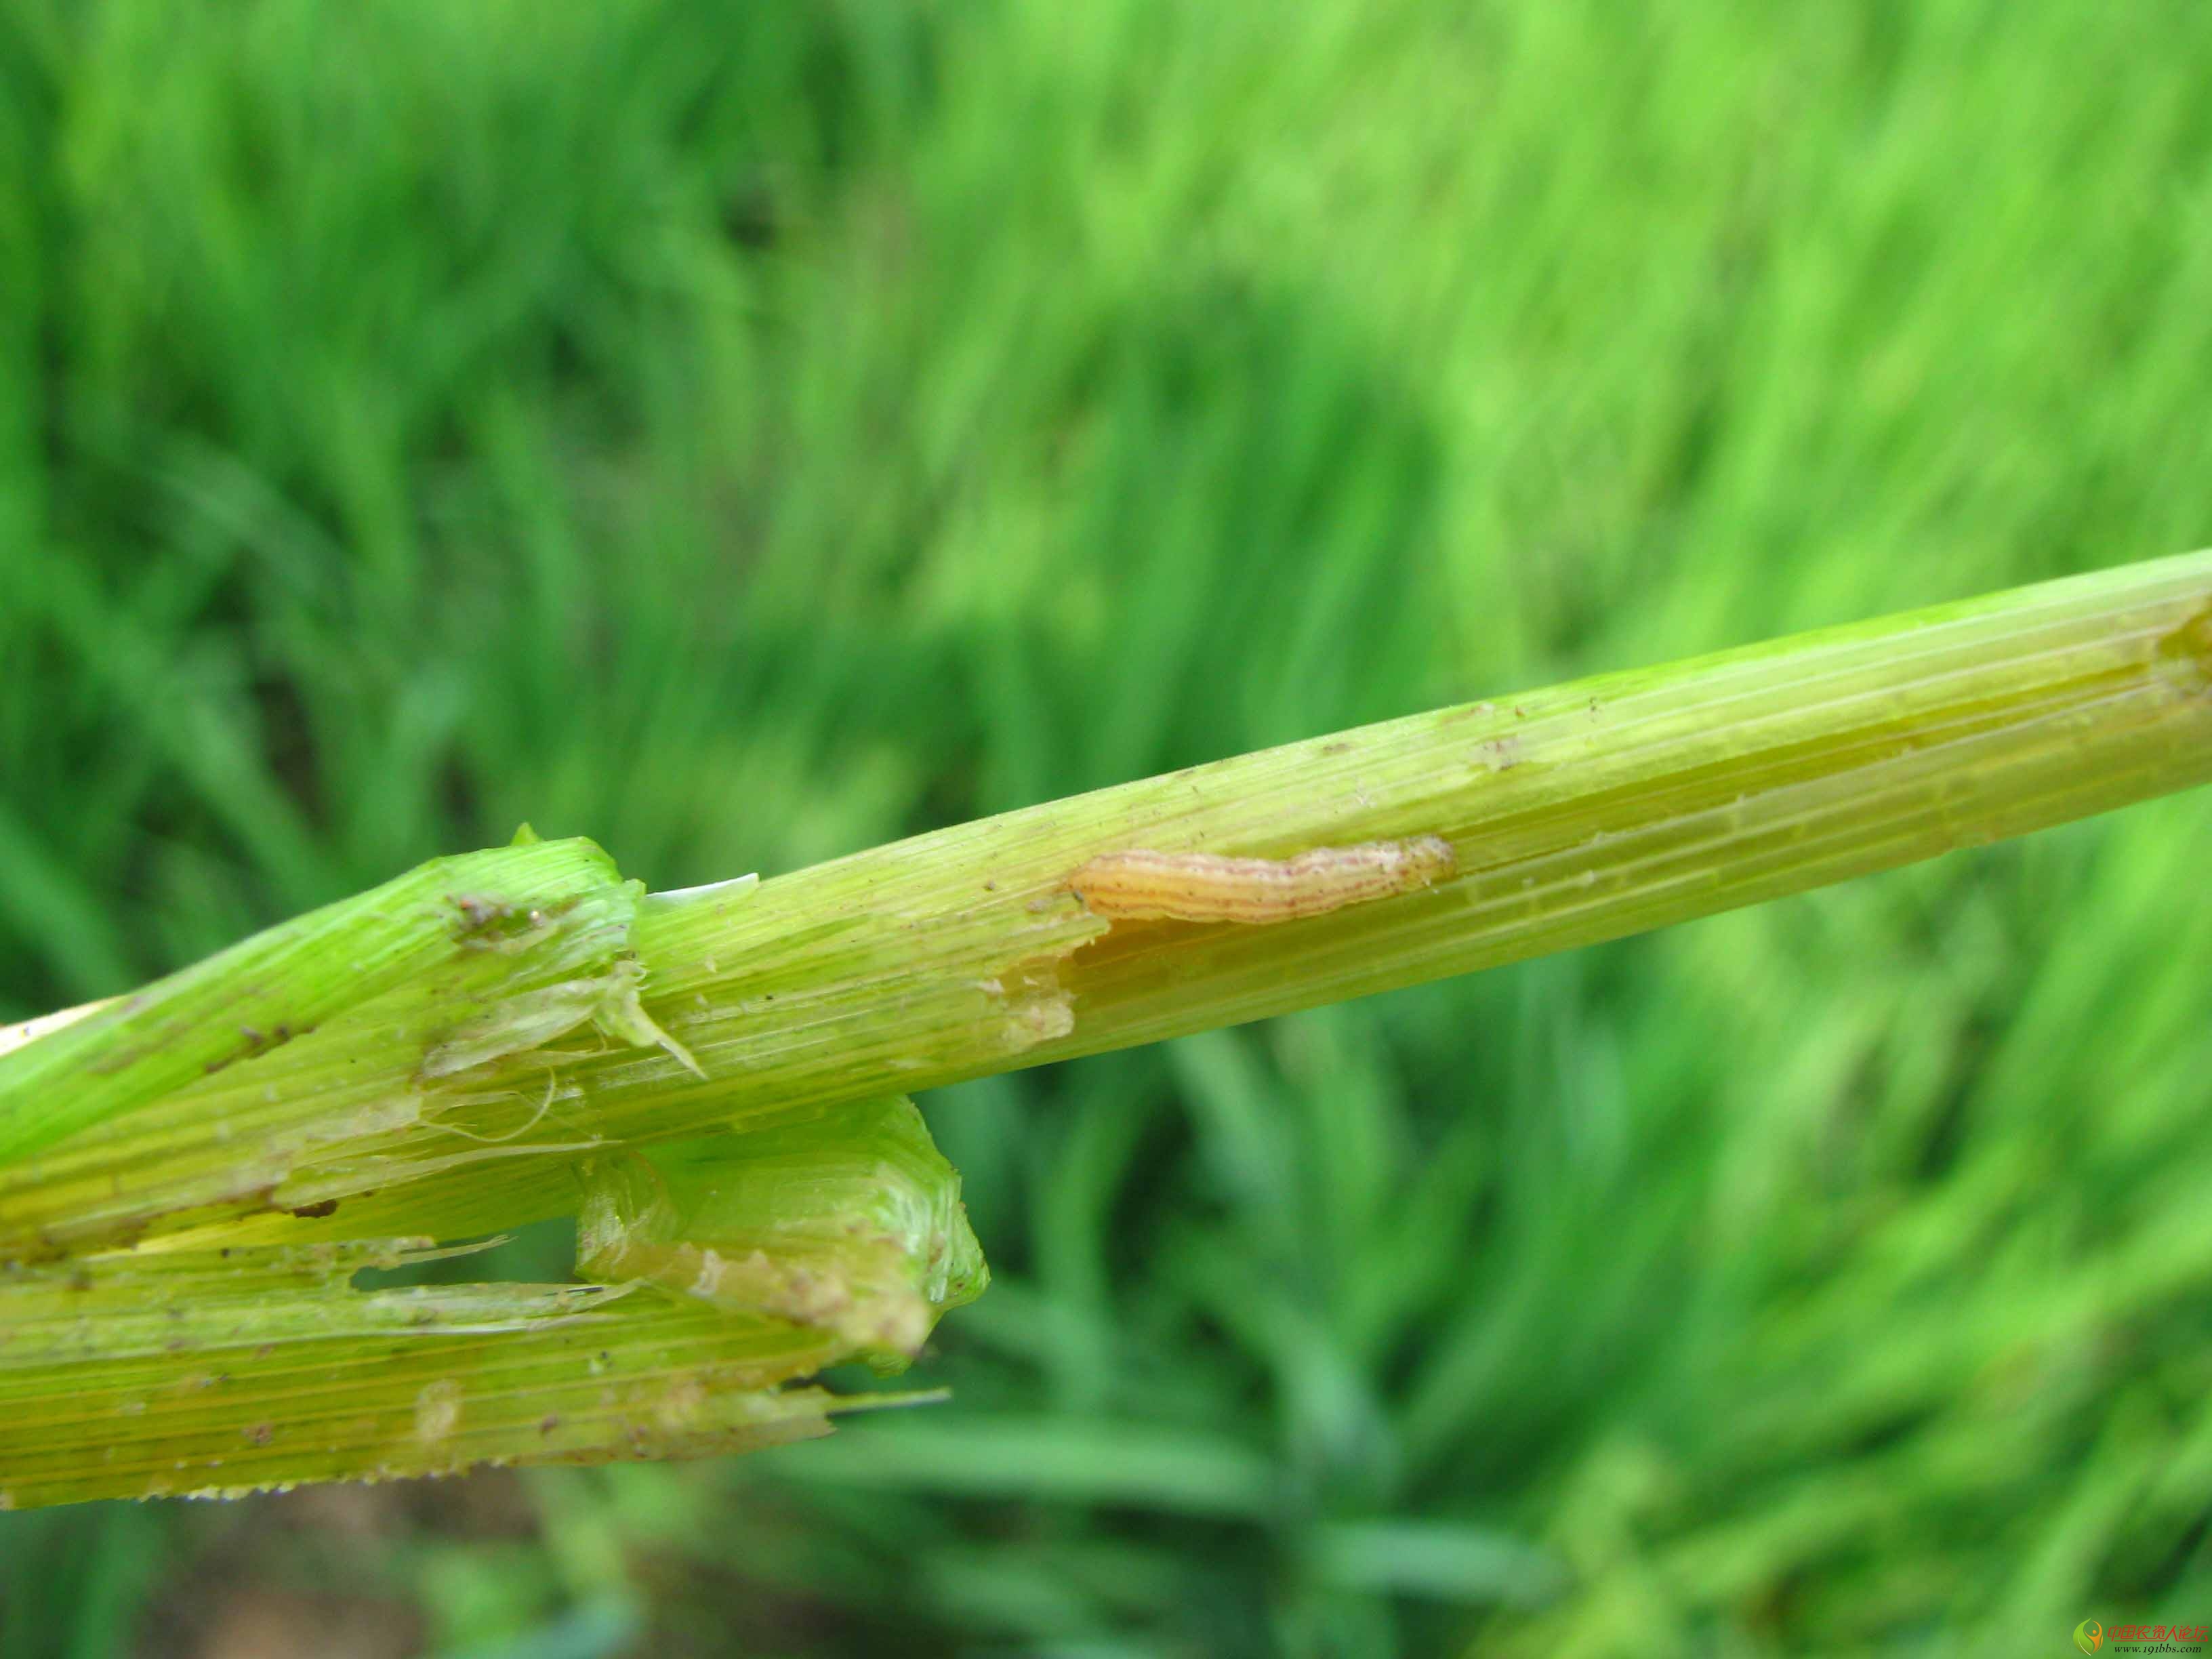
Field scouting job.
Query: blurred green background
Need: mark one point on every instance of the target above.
(744, 434)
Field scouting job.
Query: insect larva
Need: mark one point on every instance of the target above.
(1202, 887)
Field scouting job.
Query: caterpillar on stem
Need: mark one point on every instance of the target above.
(1138, 885)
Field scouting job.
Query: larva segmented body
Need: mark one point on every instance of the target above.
(1202, 887)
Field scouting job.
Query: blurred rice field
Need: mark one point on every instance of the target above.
(746, 434)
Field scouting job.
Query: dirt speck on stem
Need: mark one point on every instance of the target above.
(437, 1412)
(2185, 655)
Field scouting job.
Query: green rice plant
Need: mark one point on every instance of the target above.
(194, 1177)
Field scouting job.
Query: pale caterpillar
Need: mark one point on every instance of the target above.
(1205, 887)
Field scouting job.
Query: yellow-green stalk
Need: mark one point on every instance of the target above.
(710, 1079)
